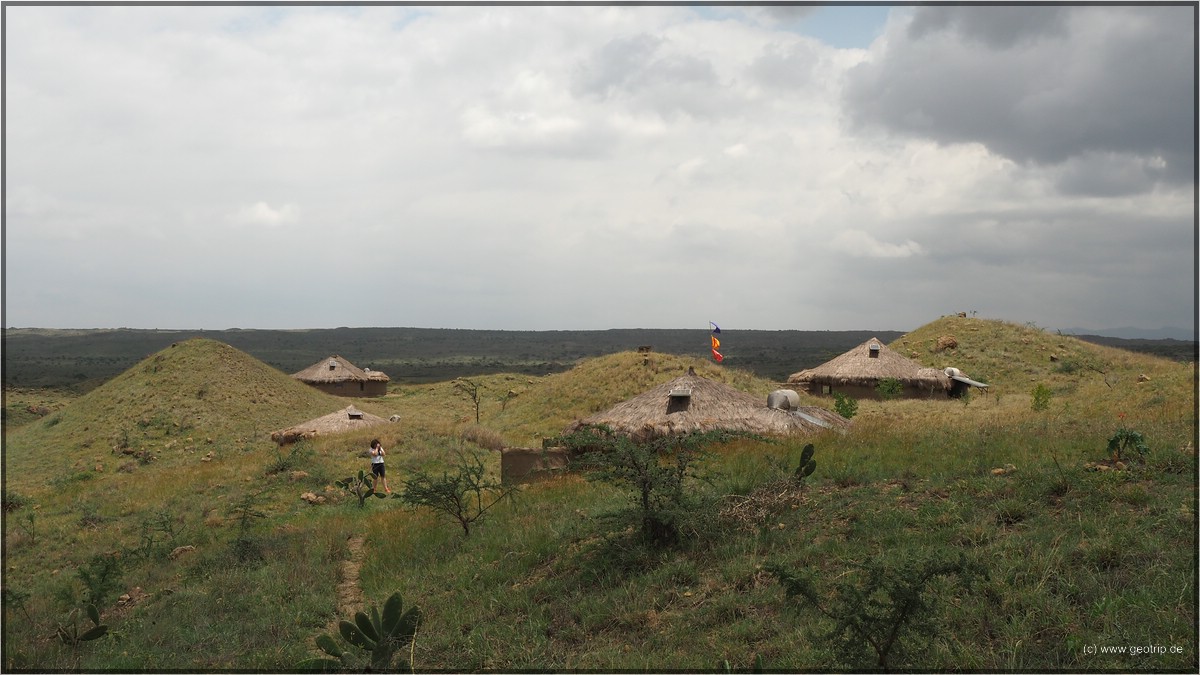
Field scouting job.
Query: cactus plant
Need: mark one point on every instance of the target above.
(381, 635)
(361, 486)
(72, 636)
(807, 464)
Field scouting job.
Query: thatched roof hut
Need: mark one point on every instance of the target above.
(335, 375)
(694, 403)
(859, 371)
(346, 419)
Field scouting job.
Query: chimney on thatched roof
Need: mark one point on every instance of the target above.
(694, 403)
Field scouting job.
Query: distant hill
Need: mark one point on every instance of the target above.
(82, 359)
(1131, 333)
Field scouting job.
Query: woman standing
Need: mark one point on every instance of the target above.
(377, 468)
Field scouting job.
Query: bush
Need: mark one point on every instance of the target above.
(101, 577)
(658, 472)
(889, 388)
(844, 405)
(1041, 398)
(465, 496)
(887, 613)
(13, 501)
(298, 454)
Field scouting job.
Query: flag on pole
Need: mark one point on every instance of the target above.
(716, 330)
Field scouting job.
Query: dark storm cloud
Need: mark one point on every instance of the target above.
(1044, 86)
(997, 27)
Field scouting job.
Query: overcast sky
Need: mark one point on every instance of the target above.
(539, 168)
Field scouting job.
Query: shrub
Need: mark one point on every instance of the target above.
(657, 472)
(297, 454)
(888, 609)
(1125, 440)
(464, 496)
(889, 388)
(1041, 398)
(245, 547)
(13, 501)
(101, 577)
(844, 405)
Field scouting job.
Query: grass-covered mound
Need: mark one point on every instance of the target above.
(1064, 558)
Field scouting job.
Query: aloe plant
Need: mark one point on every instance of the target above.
(361, 486)
(382, 636)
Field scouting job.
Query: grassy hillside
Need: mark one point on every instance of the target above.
(1072, 557)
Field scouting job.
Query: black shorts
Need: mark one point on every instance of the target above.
(377, 469)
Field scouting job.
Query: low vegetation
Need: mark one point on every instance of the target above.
(990, 534)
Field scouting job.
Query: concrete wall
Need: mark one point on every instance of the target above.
(868, 392)
(371, 388)
(522, 465)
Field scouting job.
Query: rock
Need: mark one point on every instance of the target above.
(180, 550)
(394, 418)
(298, 475)
(946, 342)
(1143, 378)
(312, 498)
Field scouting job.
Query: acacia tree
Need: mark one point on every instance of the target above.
(658, 472)
(473, 392)
(465, 495)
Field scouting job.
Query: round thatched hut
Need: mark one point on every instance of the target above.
(694, 403)
(335, 375)
(346, 419)
(857, 372)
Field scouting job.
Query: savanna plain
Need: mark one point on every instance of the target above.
(1049, 524)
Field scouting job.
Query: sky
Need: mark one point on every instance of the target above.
(592, 167)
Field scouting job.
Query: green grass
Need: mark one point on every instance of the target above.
(1076, 558)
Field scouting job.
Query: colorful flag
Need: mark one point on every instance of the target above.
(717, 356)
(716, 329)
(716, 342)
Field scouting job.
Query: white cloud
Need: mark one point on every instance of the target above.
(263, 214)
(861, 244)
(565, 167)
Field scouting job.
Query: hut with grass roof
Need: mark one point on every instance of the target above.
(694, 403)
(346, 419)
(335, 375)
(859, 372)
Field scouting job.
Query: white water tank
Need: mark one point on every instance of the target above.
(783, 399)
